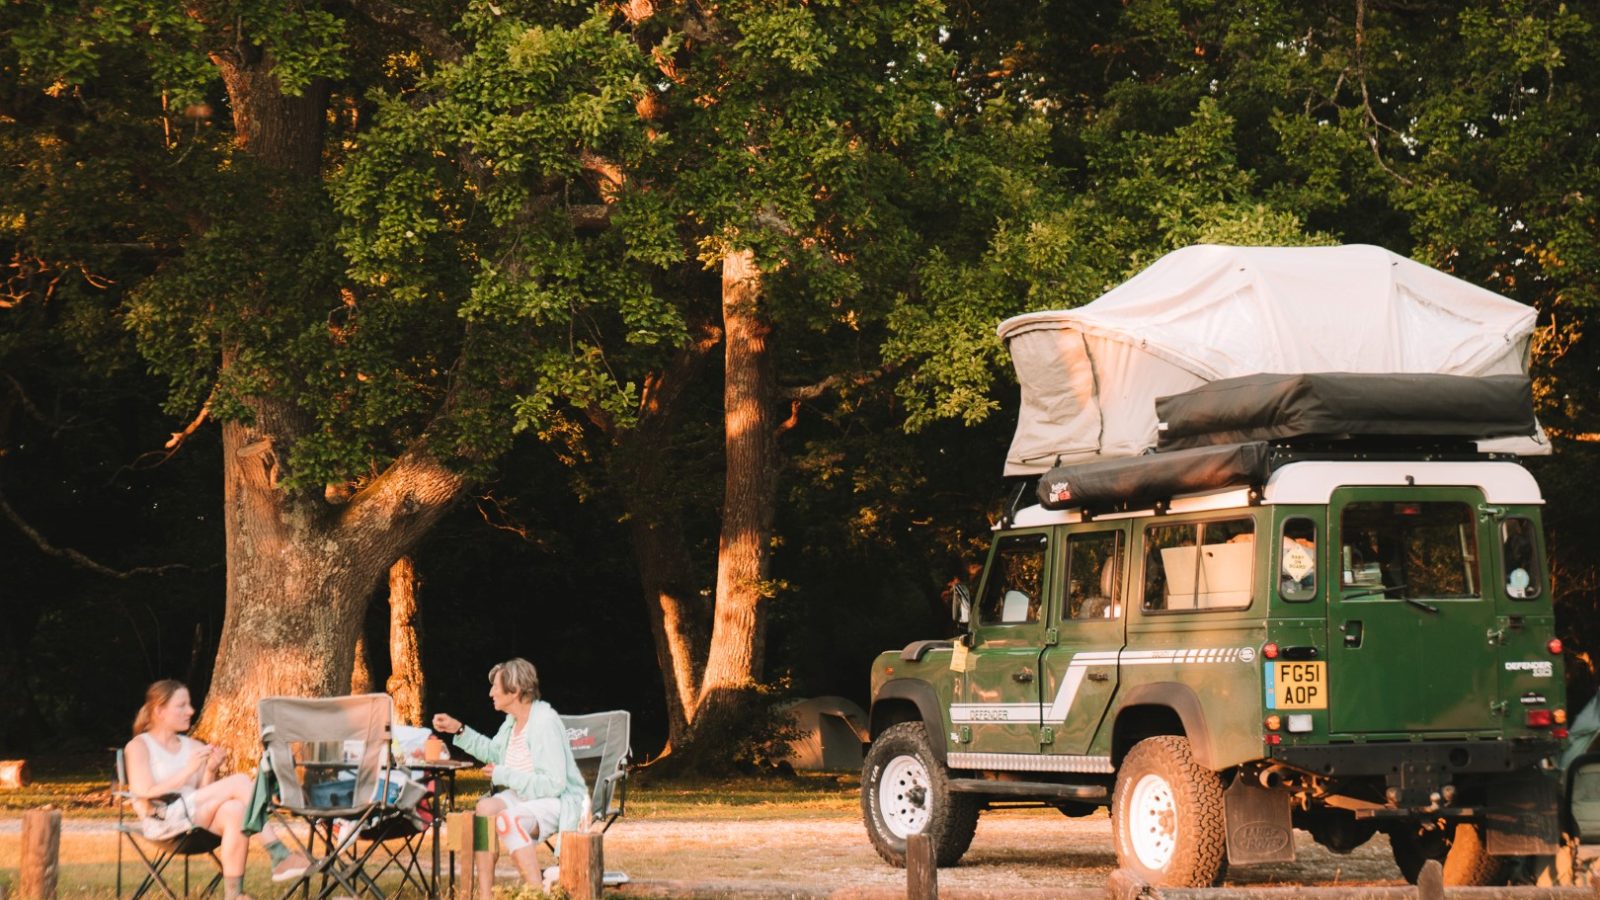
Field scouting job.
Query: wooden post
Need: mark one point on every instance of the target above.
(460, 826)
(1430, 881)
(41, 851)
(583, 868)
(1125, 884)
(14, 773)
(922, 876)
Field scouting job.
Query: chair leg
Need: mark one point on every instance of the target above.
(153, 870)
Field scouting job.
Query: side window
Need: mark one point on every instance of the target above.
(1015, 585)
(1199, 565)
(1094, 576)
(1297, 560)
(1409, 549)
(1520, 544)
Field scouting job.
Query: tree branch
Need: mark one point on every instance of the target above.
(73, 556)
(176, 442)
(812, 391)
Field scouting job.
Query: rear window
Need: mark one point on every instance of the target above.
(1520, 545)
(1410, 549)
(1297, 560)
(1197, 566)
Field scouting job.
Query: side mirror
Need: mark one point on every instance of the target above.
(960, 604)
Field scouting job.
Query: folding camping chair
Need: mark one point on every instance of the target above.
(330, 757)
(156, 855)
(600, 746)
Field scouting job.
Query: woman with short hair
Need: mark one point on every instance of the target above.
(529, 759)
(173, 782)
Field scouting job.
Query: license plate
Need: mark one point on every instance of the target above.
(1297, 685)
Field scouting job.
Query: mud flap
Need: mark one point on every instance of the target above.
(1524, 816)
(1260, 827)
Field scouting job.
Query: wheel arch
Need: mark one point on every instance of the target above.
(909, 700)
(1152, 709)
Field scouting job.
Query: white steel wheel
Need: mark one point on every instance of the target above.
(1166, 815)
(905, 790)
(903, 797)
(1153, 821)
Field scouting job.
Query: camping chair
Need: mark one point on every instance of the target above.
(157, 855)
(330, 757)
(600, 747)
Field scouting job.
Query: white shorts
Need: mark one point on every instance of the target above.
(537, 818)
(168, 820)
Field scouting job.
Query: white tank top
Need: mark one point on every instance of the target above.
(164, 763)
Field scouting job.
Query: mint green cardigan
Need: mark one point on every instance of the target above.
(555, 774)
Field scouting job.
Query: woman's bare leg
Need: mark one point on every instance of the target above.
(228, 821)
(240, 790)
(484, 860)
(527, 860)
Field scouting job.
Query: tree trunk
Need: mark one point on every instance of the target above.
(405, 642)
(300, 573)
(738, 635)
(677, 617)
(360, 669)
(300, 569)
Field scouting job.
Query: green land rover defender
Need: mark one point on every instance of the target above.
(1317, 605)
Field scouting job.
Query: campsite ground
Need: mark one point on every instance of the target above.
(749, 837)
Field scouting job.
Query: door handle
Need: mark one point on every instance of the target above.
(1099, 676)
(1022, 676)
(1352, 633)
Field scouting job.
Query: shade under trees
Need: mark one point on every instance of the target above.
(734, 268)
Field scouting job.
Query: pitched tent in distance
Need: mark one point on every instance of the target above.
(832, 731)
(1090, 376)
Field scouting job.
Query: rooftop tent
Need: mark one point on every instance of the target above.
(1090, 376)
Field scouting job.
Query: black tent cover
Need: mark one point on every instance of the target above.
(1343, 405)
(1154, 476)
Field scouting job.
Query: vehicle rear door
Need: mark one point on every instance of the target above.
(1080, 667)
(1410, 615)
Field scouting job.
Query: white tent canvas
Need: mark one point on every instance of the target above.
(1090, 376)
(832, 731)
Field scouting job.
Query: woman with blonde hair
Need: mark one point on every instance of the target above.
(529, 759)
(173, 780)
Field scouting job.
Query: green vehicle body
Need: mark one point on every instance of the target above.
(1321, 694)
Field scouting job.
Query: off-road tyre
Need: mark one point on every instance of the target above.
(1460, 849)
(902, 774)
(1167, 815)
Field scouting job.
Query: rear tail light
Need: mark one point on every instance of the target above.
(1554, 646)
(1539, 718)
(1269, 650)
(1558, 732)
(1274, 739)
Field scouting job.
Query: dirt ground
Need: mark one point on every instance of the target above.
(811, 855)
(1032, 849)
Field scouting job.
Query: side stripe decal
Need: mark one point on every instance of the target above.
(1078, 669)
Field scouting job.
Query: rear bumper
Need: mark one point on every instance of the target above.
(1438, 758)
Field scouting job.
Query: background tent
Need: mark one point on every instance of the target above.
(1090, 376)
(832, 730)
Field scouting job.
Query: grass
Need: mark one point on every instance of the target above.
(79, 785)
